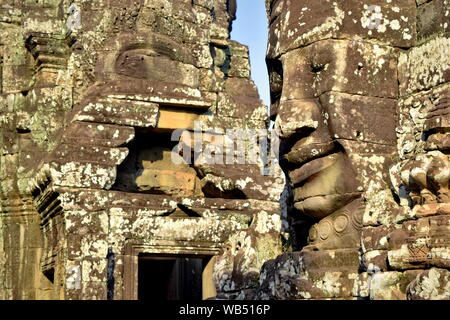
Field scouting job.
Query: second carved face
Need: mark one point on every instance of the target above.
(334, 104)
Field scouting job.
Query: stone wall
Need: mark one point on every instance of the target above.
(369, 82)
(93, 95)
(91, 92)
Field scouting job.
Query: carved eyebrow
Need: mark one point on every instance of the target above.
(147, 48)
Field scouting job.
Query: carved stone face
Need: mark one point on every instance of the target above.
(134, 53)
(171, 62)
(150, 66)
(141, 65)
(325, 122)
(333, 102)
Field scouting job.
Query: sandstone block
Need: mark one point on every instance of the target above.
(122, 113)
(389, 285)
(421, 243)
(83, 175)
(424, 66)
(432, 19)
(351, 67)
(296, 24)
(375, 238)
(375, 260)
(359, 118)
(105, 135)
(238, 181)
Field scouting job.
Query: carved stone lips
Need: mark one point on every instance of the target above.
(312, 168)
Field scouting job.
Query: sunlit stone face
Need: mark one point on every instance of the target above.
(312, 157)
(325, 120)
(334, 105)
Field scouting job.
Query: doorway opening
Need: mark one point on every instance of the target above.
(175, 277)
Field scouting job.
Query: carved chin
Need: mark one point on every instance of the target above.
(322, 206)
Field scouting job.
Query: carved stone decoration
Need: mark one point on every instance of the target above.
(427, 175)
(110, 109)
(92, 93)
(363, 127)
(432, 284)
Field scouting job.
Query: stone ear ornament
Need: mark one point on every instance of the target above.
(357, 217)
(342, 226)
(341, 223)
(325, 229)
(313, 234)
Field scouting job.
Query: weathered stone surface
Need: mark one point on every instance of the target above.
(376, 238)
(153, 170)
(432, 284)
(312, 274)
(359, 99)
(432, 19)
(423, 243)
(90, 95)
(424, 66)
(266, 290)
(390, 285)
(104, 135)
(302, 23)
(340, 65)
(375, 260)
(130, 113)
(237, 181)
(96, 173)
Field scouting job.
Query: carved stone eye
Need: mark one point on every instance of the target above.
(133, 63)
(317, 68)
(276, 79)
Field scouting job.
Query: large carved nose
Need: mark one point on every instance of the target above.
(299, 117)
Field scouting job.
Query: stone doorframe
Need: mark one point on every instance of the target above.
(165, 248)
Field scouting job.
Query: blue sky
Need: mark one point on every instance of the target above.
(250, 28)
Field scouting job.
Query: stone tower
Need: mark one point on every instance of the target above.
(93, 202)
(133, 158)
(360, 97)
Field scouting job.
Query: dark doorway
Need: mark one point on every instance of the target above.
(170, 278)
